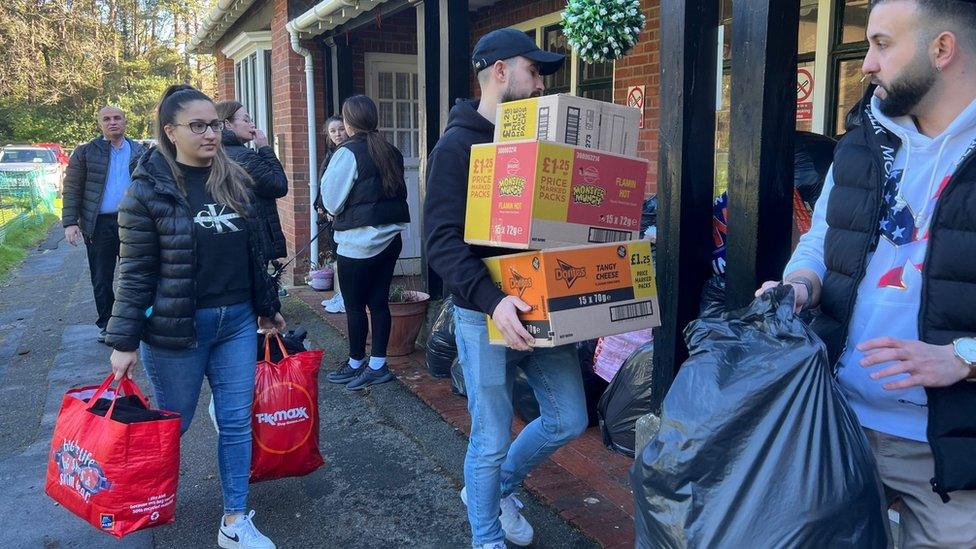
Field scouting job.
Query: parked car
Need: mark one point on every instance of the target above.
(59, 152)
(21, 159)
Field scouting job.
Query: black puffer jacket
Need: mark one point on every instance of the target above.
(84, 181)
(156, 297)
(270, 183)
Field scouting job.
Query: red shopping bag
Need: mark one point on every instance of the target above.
(117, 469)
(285, 419)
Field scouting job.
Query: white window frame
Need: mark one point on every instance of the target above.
(538, 25)
(247, 50)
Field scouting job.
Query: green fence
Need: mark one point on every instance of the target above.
(24, 199)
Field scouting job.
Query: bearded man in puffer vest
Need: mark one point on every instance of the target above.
(891, 263)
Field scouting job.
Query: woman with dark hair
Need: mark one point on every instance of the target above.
(336, 133)
(270, 182)
(364, 189)
(193, 287)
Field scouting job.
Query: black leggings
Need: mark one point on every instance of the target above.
(366, 283)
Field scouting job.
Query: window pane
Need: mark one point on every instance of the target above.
(386, 114)
(416, 94)
(602, 93)
(267, 96)
(388, 135)
(807, 42)
(403, 114)
(404, 143)
(385, 85)
(416, 144)
(855, 20)
(402, 85)
(556, 42)
(850, 89)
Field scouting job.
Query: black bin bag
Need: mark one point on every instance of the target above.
(441, 345)
(757, 447)
(627, 399)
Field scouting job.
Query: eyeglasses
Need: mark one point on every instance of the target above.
(198, 126)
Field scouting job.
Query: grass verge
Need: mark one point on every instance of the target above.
(14, 248)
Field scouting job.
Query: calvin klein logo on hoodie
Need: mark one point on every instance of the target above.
(217, 220)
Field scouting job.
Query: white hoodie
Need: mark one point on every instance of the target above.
(889, 295)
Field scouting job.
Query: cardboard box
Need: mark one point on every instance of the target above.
(536, 195)
(571, 120)
(580, 292)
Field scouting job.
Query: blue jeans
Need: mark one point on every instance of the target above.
(225, 353)
(494, 465)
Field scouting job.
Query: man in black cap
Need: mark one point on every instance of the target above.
(891, 263)
(510, 66)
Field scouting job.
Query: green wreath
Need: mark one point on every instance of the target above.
(602, 30)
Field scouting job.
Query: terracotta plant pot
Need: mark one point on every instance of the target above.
(408, 318)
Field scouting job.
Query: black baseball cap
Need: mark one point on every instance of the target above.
(502, 44)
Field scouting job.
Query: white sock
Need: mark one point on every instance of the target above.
(356, 364)
(377, 362)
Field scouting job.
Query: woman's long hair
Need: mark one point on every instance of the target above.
(227, 109)
(359, 112)
(228, 183)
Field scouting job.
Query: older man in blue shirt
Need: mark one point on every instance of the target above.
(98, 175)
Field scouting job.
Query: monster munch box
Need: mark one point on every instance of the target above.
(580, 292)
(537, 194)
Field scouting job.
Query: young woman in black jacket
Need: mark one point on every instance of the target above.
(193, 288)
(270, 182)
(364, 189)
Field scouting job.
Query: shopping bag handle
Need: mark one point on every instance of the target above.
(267, 346)
(125, 385)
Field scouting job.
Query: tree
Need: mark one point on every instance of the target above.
(63, 59)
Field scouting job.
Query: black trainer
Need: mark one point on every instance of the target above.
(369, 377)
(344, 374)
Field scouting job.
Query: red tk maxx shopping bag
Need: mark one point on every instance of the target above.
(117, 469)
(285, 418)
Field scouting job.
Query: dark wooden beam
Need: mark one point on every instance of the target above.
(763, 122)
(688, 49)
(455, 68)
(344, 61)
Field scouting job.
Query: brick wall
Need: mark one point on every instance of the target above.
(225, 76)
(642, 68)
(291, 130)
(391, 34)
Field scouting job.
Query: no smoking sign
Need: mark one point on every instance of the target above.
(635, 98)
(804, 92)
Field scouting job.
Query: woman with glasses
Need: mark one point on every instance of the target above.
(193, 287)
(264, 168)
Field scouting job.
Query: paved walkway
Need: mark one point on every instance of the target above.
(393, 466)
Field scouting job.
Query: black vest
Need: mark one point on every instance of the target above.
(367, 204)
(948, 295)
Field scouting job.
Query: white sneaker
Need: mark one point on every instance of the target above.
(336, 304)
(517, 530)
(496, 545)
(242, 535)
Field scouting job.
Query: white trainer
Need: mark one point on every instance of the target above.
(242, 535)
(517, 530)
(336, 304)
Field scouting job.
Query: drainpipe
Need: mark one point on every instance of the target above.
(313, 164)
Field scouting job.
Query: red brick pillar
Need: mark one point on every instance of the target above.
(225, 76)
(641, 67)
(291, 133)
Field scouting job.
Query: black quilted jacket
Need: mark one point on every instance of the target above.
(84, 181)
(156, 296)
(270, 183)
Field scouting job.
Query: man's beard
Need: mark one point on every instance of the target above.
(907, 90)
(511, 94)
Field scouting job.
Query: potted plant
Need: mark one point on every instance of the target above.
(321, 278)
(408, 309)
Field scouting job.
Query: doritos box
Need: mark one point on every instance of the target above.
(536, 195)
(571, 120)
(580, 292)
